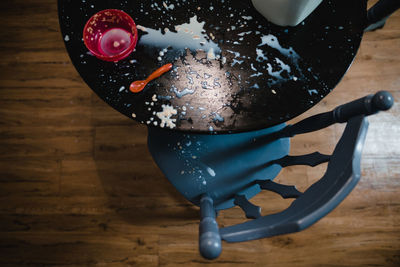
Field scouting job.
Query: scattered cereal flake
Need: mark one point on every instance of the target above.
(211, 54)
(140, 27)
(165, 116)
(223, 60)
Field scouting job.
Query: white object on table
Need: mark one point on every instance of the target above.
(286, 12)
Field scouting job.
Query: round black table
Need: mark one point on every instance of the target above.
(233, 70)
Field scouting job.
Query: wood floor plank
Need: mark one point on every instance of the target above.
(113, 177)
(49, 106)
(30, 178)
(46, 141)
(121, 143)
(72, 249)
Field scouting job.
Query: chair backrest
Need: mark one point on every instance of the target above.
(342, 175)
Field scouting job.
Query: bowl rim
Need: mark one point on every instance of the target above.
(122, 54)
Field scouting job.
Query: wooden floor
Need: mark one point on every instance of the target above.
(78, 186)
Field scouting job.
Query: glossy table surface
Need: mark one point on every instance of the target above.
(233, 71)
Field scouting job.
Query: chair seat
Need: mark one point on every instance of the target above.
(218, 165)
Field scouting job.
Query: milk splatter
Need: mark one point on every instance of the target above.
(211, 172)
(273, 42)
(188, 35)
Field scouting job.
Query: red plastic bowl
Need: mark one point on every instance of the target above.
(110, 35)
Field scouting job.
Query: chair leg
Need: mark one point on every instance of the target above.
(209, 238)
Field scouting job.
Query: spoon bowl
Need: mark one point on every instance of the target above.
(138, 86)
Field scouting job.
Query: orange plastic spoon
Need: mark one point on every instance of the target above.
(138, 86)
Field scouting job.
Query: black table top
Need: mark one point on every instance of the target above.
(233, 70)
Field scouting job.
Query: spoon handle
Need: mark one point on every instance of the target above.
(159, 72)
